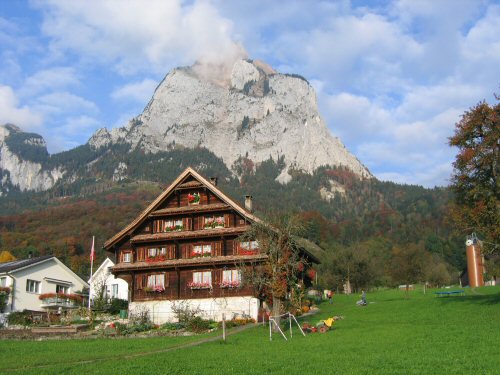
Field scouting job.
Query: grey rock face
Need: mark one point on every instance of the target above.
(260, 114)
(24, 174)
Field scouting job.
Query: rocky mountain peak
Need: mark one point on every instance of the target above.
(256, 113)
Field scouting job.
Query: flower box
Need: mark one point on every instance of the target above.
(60, 296)
(157, 258)
(200, 255)
(195, 285)
(174, 228)
(154, 289)
(230, 284)
(247, 252)
(194, 198)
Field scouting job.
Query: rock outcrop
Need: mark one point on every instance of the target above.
(16, 169)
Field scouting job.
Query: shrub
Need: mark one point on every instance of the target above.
(4, 297)
(236, 322)
(116, 305)
(21, 318)
(198, 325)
(173, 326)
(140, 315)
(184, 312)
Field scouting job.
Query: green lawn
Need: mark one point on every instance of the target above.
(392, 335)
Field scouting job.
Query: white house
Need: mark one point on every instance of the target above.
(102, 278)
(28, 279)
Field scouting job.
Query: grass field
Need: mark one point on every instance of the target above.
(421, 334)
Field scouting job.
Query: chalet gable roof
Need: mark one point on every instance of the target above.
(180, 181)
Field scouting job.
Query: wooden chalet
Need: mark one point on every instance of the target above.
(184, 248)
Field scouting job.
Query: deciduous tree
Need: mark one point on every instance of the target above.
(475, 180)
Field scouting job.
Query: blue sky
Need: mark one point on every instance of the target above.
(392, 77)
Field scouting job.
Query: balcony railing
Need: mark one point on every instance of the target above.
(53, 300)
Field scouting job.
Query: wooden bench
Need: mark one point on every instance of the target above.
(450, 293)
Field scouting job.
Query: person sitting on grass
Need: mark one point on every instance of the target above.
(362, 301)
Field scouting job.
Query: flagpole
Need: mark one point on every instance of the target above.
(92, 256)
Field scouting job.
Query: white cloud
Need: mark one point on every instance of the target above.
(137, 36)
(57, 103)
(55, 78)
(138, 91)
(11, 112)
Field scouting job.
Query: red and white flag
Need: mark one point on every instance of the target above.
(92, 252)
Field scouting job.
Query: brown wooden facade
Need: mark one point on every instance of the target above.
(185, 245)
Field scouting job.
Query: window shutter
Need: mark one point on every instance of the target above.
(186, 223)
(167, 279)
(227, 220)
(217, 248)
(201, 222)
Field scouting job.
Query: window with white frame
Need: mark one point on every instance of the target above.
(249, 245)
(64, 289)
(114, 290)
(214, 222)
(156, 282)
(32, 286)
(153, 252)
(231, 279)
(201, 250)
(201, 280)
(127, 257)
(171, 225)
(3, 281)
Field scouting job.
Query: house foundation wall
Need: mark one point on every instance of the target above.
(209, 308)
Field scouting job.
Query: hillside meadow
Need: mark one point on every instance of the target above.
(421, 334)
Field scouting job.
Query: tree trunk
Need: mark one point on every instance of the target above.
(276, 311)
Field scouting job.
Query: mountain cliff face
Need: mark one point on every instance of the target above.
(255, 113)
(22, 159)
(243, 119)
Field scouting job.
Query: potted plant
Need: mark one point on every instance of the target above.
(194, 198)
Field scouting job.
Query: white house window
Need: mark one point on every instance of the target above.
(32, 286)
(214, 222)
(153, 252)
(173, 225)
(231, 279)
(114, 291)
(127, 257)
(62, 289)
(249, 245)
(201, 250)
(3, 281)
(201, 280)
(156, 283)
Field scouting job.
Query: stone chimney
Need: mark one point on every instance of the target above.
(248, 203)
(213, 180)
